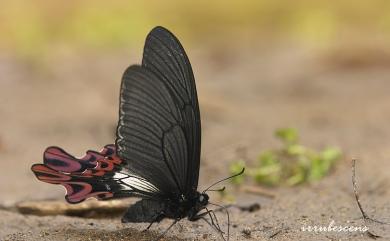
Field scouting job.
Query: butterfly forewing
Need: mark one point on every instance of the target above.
(166, 58)
(148, 135)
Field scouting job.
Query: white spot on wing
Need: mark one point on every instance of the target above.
(140, 184)
(119, 175)
(132, 182)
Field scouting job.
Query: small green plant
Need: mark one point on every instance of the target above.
(291, 165)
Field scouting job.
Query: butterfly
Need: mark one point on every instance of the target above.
(156, 155)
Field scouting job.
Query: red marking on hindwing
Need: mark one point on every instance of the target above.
(78, 175)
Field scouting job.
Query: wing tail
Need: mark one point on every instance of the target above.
(89, 176)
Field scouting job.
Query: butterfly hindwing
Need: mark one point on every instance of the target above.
(101, 175)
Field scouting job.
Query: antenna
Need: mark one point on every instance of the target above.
(235, 175)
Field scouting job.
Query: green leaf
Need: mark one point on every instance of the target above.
(269, 175)
(296, 179)
(287, 135)
(322, 164)
(317, 170)
(331, 154)
(296, 150)
(292, 164)
(268, 158)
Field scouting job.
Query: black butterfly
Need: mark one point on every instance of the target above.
(157, 151)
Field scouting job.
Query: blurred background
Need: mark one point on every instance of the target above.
(39, 28)
(320, 66)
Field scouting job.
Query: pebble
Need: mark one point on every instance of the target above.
(247, 232)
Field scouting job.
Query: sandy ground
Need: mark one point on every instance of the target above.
(332, 97)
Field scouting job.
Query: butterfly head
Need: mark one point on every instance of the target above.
(203, 199)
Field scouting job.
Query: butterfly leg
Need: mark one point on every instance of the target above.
(158, 218)
(216, 220)
(228, 217)
(216, 223)
(214, 227)
(199, 216)
(212, 224)
(150, 225)
(207, 212)
(163, 234)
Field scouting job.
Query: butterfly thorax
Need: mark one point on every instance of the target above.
(183, 206)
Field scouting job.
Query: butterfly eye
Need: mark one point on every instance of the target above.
(203, 199)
